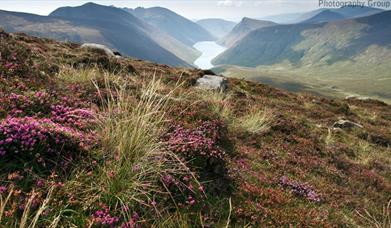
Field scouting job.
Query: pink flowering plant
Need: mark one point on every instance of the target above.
(40, 139)
(200, 142)
(300, 189)
(19, 61)
(31, 103)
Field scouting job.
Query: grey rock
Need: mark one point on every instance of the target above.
(212, 82)
(346, 124)
(102, 47)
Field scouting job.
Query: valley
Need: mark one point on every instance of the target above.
(194, 114)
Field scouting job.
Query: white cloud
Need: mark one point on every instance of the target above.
(230, 3)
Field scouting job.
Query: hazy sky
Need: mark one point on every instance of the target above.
(193, 9)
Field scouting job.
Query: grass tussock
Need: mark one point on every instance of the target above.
(256, 121)
(72, 75)
(130, 134)
(219, 101)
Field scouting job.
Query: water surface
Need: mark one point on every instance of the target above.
(209, 50)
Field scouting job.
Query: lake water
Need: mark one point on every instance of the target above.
(209, 50)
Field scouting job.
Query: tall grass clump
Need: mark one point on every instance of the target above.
(219, 101)
(72, 75)
(135, 159)
(256, 121)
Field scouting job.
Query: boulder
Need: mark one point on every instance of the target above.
(102, 47)
(346, 124)
(212, 82)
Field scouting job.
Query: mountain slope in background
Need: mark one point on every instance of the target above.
(346, 12)
(175, 25)
(99, 24)
(309, 44)
(324, 16)
(127, 32)
(242, 29)
(217, 27)
(329, 51)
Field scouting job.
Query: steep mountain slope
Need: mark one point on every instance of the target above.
(217, 27)
(124, 26)
(245, 26)
(173, 24)
(114, 28)
(352, 55)
(107, 144)
(310, 44)
(346, 12)
(324, 16)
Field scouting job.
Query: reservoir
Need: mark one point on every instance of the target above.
(209, 50)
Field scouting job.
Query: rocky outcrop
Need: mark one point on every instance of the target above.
(212, 82)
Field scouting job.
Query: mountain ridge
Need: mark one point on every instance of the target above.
(108, 27)
(177, 26)
(240, 30)
(217, 27)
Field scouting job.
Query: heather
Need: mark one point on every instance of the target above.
(93, 141)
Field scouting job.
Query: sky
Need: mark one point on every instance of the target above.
(193, 9)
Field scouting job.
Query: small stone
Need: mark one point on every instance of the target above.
(346, 124)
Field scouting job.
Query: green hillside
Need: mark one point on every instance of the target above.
(90, 140)
(356, 60)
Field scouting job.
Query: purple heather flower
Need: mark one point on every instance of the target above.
(3, 189)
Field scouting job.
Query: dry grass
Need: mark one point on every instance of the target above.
(130, 133)
(256, 121)
(384, 221)
(219, 101)
(29, 218)
(72, 75)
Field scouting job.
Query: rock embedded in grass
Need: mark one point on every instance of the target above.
(212, 82)
(102, 47)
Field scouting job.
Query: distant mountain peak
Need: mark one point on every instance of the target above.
(325, 16)
(177, 26)
(245, 26)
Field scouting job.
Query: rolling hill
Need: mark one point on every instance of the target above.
(217, 27)
(181, 28)
(105, 25)
(245, 26)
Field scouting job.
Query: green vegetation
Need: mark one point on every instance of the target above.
(322, 58)
(92, 141)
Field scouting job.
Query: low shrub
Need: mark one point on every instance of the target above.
(40, 139)
(200, 142)
(19, 61)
